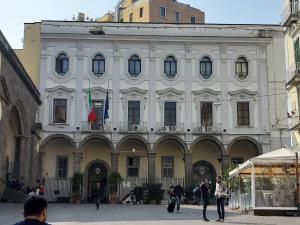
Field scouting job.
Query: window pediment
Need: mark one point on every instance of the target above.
(170, 94)
(243, 94)
(207, 95)
(60, 88)
(134, 93)
(97, 92)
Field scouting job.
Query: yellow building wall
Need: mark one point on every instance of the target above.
(30, 54)
(165, 149)
(209, 152)
(122, 164)
(50, 159)
(95, 151)
(244, 150)
(135, 9)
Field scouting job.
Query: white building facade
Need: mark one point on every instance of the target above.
(185, 101)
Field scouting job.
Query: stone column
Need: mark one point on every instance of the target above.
(114, 162)
(41, 171)
(151, 167)
(188, 169)
(76, 161)
(225, 163)
(20, 157)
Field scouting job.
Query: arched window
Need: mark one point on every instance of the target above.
(241, 68)
(98, 65)
(62, 64)
(170, 67)
(134, 66)
(206, 67)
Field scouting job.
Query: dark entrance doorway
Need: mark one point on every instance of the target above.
(97, 173)
(203, 169)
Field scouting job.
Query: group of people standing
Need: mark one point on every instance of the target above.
(201, 191)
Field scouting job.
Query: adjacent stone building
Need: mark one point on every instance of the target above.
(19, 102)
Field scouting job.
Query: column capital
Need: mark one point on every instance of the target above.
(151, 154)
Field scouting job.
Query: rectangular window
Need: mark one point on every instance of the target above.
(177, 17)
(243, 115)
(206, 114)
(134, 109)
(133, 166)
(60, 111)
(141, 12)
(62, 167)
(170, 114)
(167, 165)
(99, 107)
(193, 20)
(162, 12)
(131, 17)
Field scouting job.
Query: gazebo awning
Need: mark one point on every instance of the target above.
(280, 156)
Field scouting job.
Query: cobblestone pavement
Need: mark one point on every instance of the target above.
(67, 214)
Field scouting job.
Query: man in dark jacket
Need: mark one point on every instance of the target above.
(98, 194)
(204, 192)
(35, 211)
(178, 192)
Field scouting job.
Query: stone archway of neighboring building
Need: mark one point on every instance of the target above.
(17, 136)
(245, 138)
(51, 138)
(89, 183)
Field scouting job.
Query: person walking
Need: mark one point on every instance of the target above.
(204, 187)
(178, 192)
(220, 194)
(35, 211)
(98, 194)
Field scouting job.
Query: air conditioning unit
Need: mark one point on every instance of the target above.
(173, 128)
(136, 127)
(165, 129)
(198, 129)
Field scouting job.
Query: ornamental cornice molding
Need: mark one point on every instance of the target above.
(60, 88)
(169, 91)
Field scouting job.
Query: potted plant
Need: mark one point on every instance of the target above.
(77, 183)
(154, 193)
(114, 181)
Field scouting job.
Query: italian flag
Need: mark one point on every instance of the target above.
(92, 114)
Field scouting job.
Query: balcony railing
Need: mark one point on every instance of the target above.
(290, 13)
(126, 126)
(293, 73)
(97, 126)
(207, 128)
(170, 128)
(294, 122)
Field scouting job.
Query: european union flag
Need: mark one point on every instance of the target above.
(106, 108)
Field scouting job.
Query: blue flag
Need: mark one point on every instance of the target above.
(106, 108)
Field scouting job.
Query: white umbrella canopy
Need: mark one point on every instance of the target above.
(278, 156)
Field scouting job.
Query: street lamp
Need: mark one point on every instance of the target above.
(133, 151)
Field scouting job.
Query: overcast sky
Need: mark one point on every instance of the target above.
(14, 13)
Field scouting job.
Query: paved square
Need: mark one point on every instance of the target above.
(67, 214)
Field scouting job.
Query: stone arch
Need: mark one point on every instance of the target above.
(209, 138)
(86, 174)
(54, 137)
(207, 164)
(96, 137)
(245, 138)
(133, 137)
(174, 138)
(21, 115)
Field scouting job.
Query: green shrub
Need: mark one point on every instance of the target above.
(154, 192)
(114, 181)
(77, 183)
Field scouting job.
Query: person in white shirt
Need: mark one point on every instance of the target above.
(220, 194)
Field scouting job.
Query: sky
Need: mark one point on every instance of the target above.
(14, 13)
